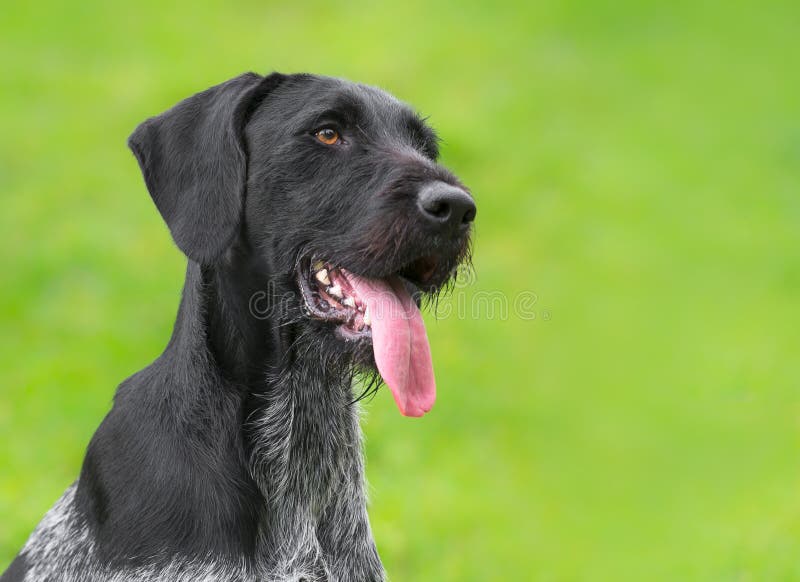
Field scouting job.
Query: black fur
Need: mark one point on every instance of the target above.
(16, 571)
(240, 443)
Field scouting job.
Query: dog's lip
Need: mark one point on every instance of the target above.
(420, 276)
(322, 305)
(423, 274)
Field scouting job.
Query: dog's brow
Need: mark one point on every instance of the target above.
(344, 110)
(417, 125)
(423, 134)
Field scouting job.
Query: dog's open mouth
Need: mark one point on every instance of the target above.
(330, 296)
(383, 311)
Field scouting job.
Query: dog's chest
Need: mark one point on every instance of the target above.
(306, 443)
(307, 462)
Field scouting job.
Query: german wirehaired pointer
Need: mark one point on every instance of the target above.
(315, 219)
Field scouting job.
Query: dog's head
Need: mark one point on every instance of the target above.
(336, 187)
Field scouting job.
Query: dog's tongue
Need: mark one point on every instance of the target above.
(399, 343)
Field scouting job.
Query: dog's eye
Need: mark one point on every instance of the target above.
(328, 136)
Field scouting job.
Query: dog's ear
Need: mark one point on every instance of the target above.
(194, 163)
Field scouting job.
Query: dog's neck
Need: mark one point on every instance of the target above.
(267, 422)
(231, 312)
(291, 398)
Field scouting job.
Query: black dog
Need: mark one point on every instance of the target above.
(314, 217)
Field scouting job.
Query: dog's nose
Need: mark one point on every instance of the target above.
(446, 206)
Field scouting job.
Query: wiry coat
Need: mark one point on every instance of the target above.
(236, 455)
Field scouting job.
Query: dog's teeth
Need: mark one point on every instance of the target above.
(322, 277)
(367, 317)
(335, 291)
(349, 301)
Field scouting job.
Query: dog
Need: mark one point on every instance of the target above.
(316, 220)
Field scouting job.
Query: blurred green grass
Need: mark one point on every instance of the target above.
(637, 167)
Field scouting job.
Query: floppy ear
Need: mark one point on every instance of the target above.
(195, 165)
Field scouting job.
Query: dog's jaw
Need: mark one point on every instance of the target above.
(383, 314)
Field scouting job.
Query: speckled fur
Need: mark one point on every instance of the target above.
(236, 455)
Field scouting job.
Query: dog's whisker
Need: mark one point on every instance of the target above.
(323, 203)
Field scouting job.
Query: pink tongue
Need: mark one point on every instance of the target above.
(399, 343)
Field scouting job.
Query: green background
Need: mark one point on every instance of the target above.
(637, 168)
